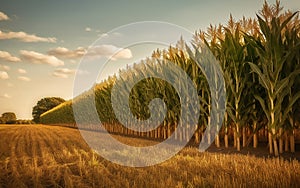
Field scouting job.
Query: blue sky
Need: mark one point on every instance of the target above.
(41, 42)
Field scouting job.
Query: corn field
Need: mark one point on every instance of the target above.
(260, 61)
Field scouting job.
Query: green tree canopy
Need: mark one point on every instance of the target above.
(44, 105)
(8, 118)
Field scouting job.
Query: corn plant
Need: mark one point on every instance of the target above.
(274, 54)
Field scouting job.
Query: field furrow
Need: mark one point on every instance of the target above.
(53, 156)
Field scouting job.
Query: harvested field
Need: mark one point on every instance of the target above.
(53, 156)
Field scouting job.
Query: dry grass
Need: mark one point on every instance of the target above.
(45, 156)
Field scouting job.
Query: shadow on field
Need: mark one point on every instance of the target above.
(261, 151)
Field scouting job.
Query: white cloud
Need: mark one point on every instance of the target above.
(25, 37)
(60, 75)
(3, 75)
(3, 16)
(22, 71)
(65, 72)
(5, 95)
(109, 51)
(102, 35)
(66, 53)
(123, 54)
(88, 29)
(38, 58)
(8, 57)
(24, 78)
(5, 67)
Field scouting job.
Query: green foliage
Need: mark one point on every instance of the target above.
(44, 105)
(24, 121)
(62, 112)
(8, 118)
(140, 97)
(276, 51)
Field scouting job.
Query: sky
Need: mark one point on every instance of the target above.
(42, 42)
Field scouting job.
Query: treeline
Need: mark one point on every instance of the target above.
(10, 118)
(260, 60)
(42, 106)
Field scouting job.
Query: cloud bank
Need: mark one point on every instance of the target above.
(4, 67)
(38, 58)
(22, 36)
(108, 51)
(66, 53)
(24, 78)
(3, 16)
(8, 57)
(65, 72)
(22, 71)
(3, 75)
(5, 95)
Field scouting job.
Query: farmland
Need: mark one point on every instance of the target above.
(255, 60)
(53, 156)
(241, 100)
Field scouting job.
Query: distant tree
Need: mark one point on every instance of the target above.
(2, 121)
(24, 121)
(8, 118)
(44, 105)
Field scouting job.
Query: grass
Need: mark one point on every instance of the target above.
(50, 156)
